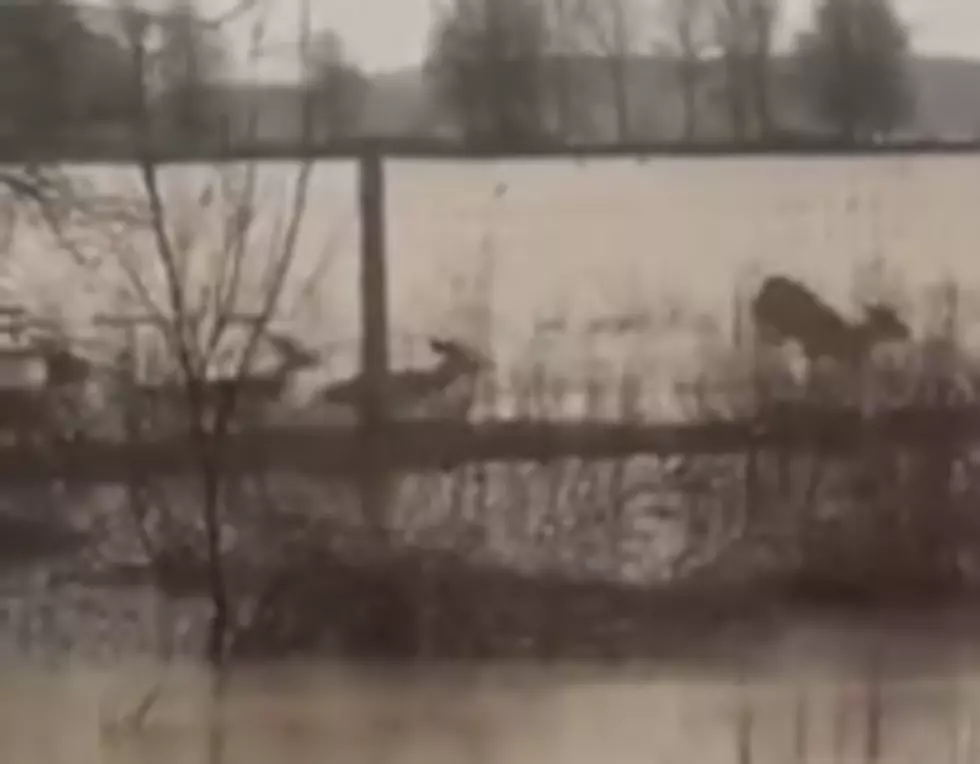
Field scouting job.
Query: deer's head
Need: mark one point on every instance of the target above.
(461, 358)
(294, 355)
(882, 324)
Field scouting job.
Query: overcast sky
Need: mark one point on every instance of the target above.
(387, 34)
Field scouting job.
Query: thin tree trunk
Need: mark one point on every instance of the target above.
(689, 102)
(735, 97)
(563, 80)
(762, 19)
(762, 96)
(220, 615)
(619, 71)
(690, 115)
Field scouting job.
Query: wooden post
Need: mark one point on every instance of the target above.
(374, 338)
(374, 288)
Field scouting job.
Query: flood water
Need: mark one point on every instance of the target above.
(432, 715)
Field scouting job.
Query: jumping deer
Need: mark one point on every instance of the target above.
(786, 309)
(446, 390)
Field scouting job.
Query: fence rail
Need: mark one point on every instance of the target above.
(420, 147)
(333, 451)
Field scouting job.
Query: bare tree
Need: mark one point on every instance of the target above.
(685, 37)
(570, 96)
(610, 30)
(744, 34)
(486, 65)
(852, 66)
(188, 60)
(339, 89)
(210, 258)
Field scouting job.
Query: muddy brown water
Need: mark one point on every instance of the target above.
(816, 693)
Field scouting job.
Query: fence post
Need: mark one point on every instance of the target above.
(374, 339)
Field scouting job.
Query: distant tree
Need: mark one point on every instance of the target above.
(102, 80)
(339, 89)
(487, 65)
(187, 59)
(31, 86)
(570, 96)
(56, 74)
(559, 75)
(609, 29)
(743, 32)
(683, 34)
(58, 79)
(853, 68)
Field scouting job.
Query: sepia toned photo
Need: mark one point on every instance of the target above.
(491, 381)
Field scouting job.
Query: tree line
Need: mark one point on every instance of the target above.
(502, 73)
(76, 75)
(510, 71)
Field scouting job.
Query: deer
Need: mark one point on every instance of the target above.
(64, 367)
(786, 309)
(67, 378)
(268, 386)
(414, 388)
(231, 394)
(57, 398)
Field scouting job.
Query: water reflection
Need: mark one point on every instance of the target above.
(512, 714)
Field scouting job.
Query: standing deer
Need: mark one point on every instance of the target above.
(48, 393)
(248, 391)
(64, 368)
(267, 386)
(787, 309)
(67, 382)
(251, 391)
(445, 390)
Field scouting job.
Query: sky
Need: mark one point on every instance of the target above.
(389, 34)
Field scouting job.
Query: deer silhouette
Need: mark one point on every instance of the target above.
(267, 386)
(414, 388)
(789, 310)
(67, 378)
(786, 309)
(56, 399)
(235, 393)
(63, 366)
